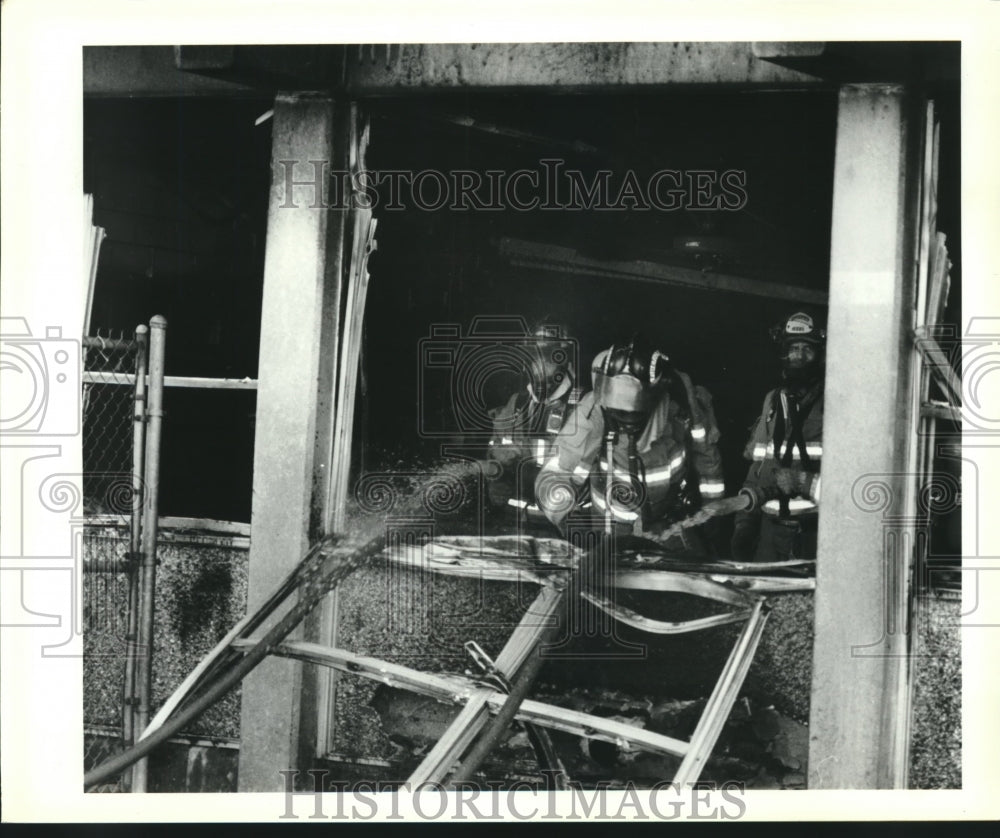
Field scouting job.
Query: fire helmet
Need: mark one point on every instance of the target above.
(550, 365)
(627, 377)
(798, 326)
(800, 368)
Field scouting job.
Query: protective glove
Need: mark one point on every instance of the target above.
(506, 455)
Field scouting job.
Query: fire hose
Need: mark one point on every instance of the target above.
(712, 509)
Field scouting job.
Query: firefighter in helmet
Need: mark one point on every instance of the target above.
(785, 451)
(526, 425)
(643, 441)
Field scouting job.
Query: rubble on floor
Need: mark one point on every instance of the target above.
(759, 746)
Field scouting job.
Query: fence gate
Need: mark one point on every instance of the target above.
(122, 398)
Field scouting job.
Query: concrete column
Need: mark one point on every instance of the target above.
(860, 662)
(301, 284)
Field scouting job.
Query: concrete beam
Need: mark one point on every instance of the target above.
(865, 537)
(383, 68)
(566, 260)
(149, 71)
(227, 70)
(301, 283)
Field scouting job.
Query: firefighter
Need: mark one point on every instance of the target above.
(785, 451)
(525, 427)
(644, 441)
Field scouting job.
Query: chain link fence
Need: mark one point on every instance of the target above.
(108, 427)
(114, 372)
(98, 747)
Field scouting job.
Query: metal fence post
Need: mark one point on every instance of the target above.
(135, 533)
(147, 575)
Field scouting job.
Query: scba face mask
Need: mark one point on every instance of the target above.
(620, 393)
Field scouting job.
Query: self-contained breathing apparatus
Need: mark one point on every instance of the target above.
(801, 343)
(629, 381)
(783, 485)
(524, 429)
